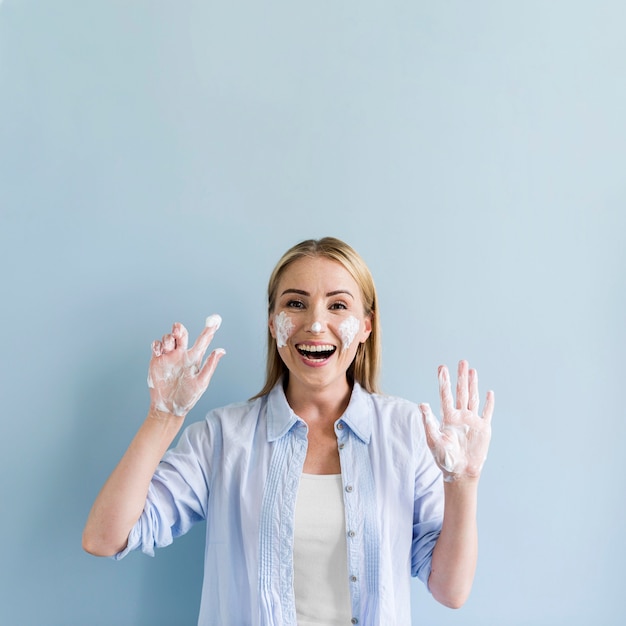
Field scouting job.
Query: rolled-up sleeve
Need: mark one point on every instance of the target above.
(177, 495)
(428, 509)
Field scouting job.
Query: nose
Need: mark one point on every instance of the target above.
(316, 327)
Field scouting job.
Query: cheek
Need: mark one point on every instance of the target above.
(348, 330)
(283, 327)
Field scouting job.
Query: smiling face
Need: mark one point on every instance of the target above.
(318, 322)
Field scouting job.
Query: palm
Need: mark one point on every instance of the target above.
(460, 443)
(176, 376)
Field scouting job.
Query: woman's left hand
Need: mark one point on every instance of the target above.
(460, 443)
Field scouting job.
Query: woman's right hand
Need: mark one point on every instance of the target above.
(176, 376)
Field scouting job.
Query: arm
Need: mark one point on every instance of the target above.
(176, 379)
(459, 447)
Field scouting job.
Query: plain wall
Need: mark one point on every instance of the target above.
(156, 159)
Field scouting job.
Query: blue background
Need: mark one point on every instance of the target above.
(156, 159)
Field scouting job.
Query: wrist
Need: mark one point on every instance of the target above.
(160, 413)
(455, 482)
(461, 498)
(164, 419)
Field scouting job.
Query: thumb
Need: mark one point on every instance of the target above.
(431, 426)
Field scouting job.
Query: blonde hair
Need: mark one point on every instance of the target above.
(365, 368)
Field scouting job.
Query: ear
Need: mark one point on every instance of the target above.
(367, 328)
(270, 324)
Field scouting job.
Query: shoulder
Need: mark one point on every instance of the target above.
(393, 405)
(393, 414)
(236, 409)
(231, 418)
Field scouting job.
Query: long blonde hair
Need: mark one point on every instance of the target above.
(365, 368)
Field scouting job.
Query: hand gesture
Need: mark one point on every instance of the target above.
(176, 376)
(459, 444)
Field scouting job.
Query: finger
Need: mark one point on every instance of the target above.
(204, 339)
(169, 343)
(461, 386)
(205, 374)
(181, 335)
(490, 403)
(431, 426)
(157, 348)
(474, 398)
(445, 393)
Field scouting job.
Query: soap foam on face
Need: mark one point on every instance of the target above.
(348, 330)
(283, 327)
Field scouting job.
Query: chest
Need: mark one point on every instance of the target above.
(322, 455)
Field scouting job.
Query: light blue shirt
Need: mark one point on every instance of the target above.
(240, 469)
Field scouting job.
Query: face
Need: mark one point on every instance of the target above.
(318, 322)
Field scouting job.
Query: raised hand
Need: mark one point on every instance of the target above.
(176, 376)
(460, 443)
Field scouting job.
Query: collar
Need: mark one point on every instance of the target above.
(358, 415)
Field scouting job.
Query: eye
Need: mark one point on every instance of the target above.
(338, 306)
(294, 304)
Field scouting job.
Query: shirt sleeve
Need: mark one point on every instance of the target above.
(177, 495)
(428, 507)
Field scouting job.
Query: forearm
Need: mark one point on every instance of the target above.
(122, 498)
(456, 551)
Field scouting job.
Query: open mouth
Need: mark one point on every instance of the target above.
(316, 353)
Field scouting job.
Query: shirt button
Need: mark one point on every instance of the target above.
(352, 579)
(339, 426)
(342, 446)
(354, 620)
(349, 488)
(351, 534)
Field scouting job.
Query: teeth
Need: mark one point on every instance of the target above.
(323, 348)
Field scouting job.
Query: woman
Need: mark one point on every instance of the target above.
(321, 496)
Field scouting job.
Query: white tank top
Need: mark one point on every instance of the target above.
(320, 556)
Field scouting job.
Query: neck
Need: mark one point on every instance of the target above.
(318, 405)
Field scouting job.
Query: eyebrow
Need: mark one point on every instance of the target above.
(330, 294)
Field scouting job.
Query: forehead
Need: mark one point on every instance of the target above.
(317, 273)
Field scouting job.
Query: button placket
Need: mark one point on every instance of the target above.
(345, 446)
